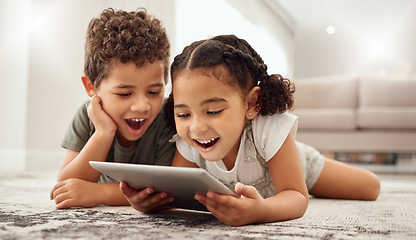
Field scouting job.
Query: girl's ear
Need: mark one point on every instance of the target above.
(89, 87)
(252, 102)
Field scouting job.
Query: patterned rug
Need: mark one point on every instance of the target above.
(27, 213)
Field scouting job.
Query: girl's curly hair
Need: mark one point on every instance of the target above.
(120, 36)
(244, 65)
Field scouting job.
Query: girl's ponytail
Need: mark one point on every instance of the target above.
(276, 91)
(276, 94)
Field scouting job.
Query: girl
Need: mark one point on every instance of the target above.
(231, 118)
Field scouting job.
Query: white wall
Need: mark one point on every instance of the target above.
(251, 20)
(42, 50)
(14, 44)
(371, 38)
(55, 67)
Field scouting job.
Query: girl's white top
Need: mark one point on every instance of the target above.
(269, 133)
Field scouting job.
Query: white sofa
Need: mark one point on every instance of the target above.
(357, 114)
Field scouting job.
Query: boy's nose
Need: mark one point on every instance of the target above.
(140, 104)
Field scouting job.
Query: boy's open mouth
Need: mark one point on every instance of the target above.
(207, 143)
(135, 123)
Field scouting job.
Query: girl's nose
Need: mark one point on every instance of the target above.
(140, 104)
(198, 125)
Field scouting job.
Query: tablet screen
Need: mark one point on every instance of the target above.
(180, 182)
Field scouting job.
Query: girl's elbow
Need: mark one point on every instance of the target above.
(373, 188)
(302, 207)
(305, 206)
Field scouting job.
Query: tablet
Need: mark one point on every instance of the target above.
(180, 182)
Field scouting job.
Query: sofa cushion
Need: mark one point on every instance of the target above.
(326, 119)
(386, 117)
(393, 92)
(326, 92)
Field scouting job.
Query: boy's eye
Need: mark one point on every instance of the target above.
(123, 94)
(213, 113)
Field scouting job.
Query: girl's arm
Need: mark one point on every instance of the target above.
(292, 197)
(290, 201)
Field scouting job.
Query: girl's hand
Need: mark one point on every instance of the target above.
(76, 192)
(231, 210)
(145, 200)
(101, 120)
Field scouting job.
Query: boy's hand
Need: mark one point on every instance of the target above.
(75, 193)
(101, 120)
(231, 210)
(144, 200)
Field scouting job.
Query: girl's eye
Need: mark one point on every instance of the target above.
(154, 93)
(213, 113)
(179, 115)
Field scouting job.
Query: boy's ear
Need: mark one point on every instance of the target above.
(89, 87)
(253, 107)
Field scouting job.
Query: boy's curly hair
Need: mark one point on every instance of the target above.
(245, 66)
(120, 36)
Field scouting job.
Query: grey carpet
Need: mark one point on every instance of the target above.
(27, 213)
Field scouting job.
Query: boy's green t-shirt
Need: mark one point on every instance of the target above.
(152, 148)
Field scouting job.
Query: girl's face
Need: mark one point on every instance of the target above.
(133, 96)
(210, 115)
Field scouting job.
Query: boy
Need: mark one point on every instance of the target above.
(126, 70)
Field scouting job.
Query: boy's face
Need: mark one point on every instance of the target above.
(133, 96)
(209, 115)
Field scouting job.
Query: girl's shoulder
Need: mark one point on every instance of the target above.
(269, 132)
(275, 121)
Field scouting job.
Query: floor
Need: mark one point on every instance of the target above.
(27, 213)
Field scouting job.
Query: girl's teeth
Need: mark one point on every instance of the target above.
(207, 141)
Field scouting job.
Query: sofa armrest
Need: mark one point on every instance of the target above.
(326, 119)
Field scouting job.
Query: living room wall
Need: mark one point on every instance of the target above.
(42, 51)
(41, 60)
(369, 38)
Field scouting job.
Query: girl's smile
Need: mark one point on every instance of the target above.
(206, 145)
(209, 114)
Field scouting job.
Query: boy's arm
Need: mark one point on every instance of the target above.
(76, 164)
(146, 200)
(77, 181)
(80, 193)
